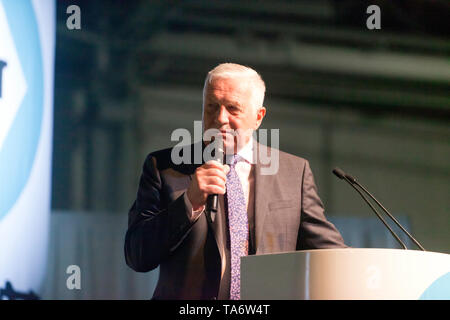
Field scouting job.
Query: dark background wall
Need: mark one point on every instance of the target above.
(374, 102)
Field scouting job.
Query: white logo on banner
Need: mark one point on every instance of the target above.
(13, 81)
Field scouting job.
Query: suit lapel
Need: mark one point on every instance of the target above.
(263, 194)
(217, 223)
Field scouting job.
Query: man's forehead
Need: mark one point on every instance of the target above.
(231, 86)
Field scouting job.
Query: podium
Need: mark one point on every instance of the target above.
(346, 274)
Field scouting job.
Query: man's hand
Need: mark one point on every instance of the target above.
(208, 179)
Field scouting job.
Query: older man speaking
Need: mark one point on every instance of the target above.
(199, 251)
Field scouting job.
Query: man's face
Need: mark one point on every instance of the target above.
(228, 105)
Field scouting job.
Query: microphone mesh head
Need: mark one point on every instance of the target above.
(339, 173)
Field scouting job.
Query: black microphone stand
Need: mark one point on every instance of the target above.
(354, 181)
(378, 215)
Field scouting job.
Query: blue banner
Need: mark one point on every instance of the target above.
(27, 40)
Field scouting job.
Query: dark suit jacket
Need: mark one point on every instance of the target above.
(288, 216)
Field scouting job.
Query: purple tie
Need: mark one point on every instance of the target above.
(238, 223)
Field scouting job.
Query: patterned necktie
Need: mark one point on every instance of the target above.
(238, 225)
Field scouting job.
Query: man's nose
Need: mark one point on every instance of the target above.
(222, 117)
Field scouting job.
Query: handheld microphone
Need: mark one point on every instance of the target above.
(213, 199)
(342, 175)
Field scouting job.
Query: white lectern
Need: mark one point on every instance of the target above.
(346, 274)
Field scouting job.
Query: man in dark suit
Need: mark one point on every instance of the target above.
(198, 250)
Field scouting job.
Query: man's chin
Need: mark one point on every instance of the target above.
(231, 143)
(229, 148)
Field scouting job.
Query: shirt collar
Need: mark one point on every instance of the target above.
(247, 151)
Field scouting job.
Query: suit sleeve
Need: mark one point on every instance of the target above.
(316, 232)
(155, 227)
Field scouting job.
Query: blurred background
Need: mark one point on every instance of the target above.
(376, 103)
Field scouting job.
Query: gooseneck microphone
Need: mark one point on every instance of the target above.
(354, 181)
(342, 175)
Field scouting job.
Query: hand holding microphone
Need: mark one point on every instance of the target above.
(209, 180)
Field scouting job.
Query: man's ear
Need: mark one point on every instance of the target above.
(260, 116)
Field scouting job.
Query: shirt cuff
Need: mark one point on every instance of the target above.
(192, 215)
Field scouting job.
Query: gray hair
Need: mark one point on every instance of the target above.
(233, 70)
